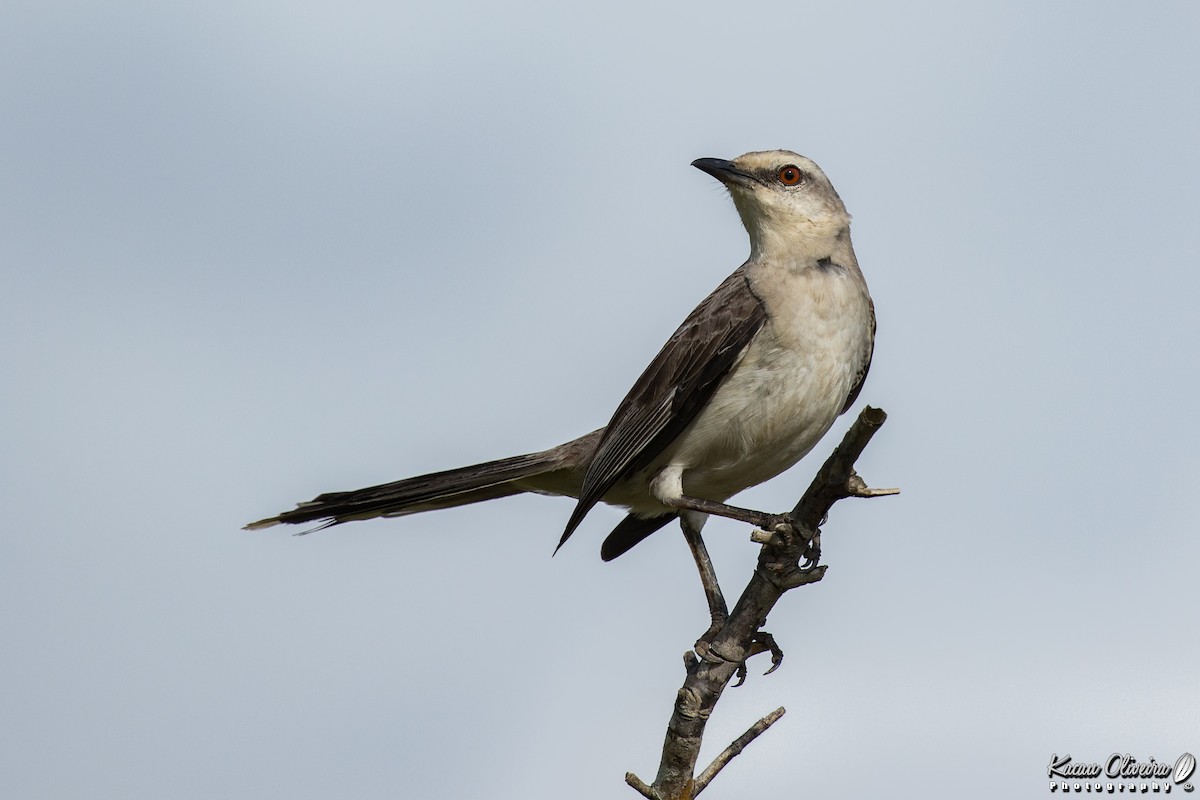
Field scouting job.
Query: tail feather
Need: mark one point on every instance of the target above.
(629, 532)
(453, 487)
(558, 471)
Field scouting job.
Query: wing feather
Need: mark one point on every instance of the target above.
(861, 377)
(673, 389)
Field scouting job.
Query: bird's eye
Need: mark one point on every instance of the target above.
(789, 175)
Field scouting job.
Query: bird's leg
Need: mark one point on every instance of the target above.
(747, 515)
(717, 608)
(785, 543)
(769, 523)
(762, 642)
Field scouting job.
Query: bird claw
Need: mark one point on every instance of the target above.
(762, 642)
(782, 531)
(812, 553)
(765, 643)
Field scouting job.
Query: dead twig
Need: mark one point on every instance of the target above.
(738, 745)
(779, 569)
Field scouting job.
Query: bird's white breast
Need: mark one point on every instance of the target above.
(789, 386)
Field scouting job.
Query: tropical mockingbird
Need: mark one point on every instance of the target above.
(746, 386)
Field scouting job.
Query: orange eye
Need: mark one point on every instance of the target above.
(789, 175)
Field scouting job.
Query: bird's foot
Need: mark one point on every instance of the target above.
(812, 552)
(783, 532)
(790, 554)
(704, 644)
(762, 642)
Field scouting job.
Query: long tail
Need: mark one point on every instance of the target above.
(554, 471)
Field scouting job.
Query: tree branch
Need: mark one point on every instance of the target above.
(640, 785)
(778, 570)
(738, 745)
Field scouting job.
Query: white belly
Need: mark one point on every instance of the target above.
(778, 400)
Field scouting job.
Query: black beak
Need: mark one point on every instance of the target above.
(724, 171)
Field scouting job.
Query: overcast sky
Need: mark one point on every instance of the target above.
(252, 251)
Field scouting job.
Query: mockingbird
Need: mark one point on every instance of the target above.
(746, 386)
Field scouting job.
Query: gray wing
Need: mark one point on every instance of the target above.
(861, 377)
(678, 383)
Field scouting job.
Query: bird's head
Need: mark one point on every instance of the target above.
(785, 201)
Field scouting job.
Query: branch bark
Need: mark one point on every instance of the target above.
(778, 570)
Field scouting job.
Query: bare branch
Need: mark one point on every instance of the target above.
(739, 744)
(788, 541)
(640, 785)
(759, 536)
(859, 488)
(834, 480)
(875, 492)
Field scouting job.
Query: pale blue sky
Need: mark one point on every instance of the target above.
(254, 251)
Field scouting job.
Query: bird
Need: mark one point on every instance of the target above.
(747, 385)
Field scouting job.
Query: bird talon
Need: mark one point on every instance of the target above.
(741, 674)
(762, 642)
(812, 553)
(768, 643)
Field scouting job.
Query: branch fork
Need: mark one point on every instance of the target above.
(787, 541)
